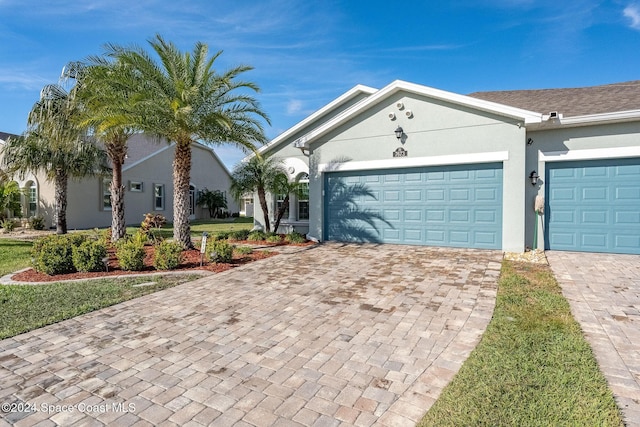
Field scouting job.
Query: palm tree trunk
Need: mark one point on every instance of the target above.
(61, 184)
(117, 153)
(181, 176)
(265, 210)
(280, 213)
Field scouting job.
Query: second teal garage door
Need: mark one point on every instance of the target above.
(458, 206)
(594, 206)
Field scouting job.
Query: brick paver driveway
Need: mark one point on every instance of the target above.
(333, 335)
(604, 293)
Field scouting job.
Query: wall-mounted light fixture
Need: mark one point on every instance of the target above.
(529, 141)
(399, 132)
(533, 176)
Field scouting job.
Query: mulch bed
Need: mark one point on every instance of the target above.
(190, 261)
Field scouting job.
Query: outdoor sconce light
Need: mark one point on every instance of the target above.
(399, 132)
(533, 176)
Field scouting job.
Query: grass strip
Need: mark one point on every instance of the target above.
(24, 307)
(14, 255)
(532, 367)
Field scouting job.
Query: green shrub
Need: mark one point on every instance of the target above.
(243, 250)
(273, 238)
(130, 255)
(168, 255)
(238, 234)
(294, 237)
(54, 254)
(8, 225)
(36, 223)
(220, 251)
(256, 236)
(88, 256)
(221, 235)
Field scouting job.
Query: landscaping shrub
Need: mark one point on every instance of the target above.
(54, 254)
(294, 237)
(220, 251)
(243, 250)
(8, 225)
(36, 223)
(221, 235)
(238, 234)
(273, 238)
(168, 255)
(130, 255)
(256, 236)
(88, 256)
(152, 221)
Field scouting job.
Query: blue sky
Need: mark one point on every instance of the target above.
(306, 53)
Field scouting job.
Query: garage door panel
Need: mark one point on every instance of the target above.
(593, 206)
(444, 206)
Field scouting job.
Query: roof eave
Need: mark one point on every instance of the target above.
(590, 120)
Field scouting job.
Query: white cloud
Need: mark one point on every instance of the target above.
(633, 13)
(294, 106)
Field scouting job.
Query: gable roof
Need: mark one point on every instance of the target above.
(528, 117)
(571, 102)
(5, 135)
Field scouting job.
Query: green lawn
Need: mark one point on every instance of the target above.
(209, 225)
(24, 308)
(532, 367)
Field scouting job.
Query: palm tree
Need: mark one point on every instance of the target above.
(261, 175)
(282, 185)
(104, 88)
(55, 145)
(184, 99)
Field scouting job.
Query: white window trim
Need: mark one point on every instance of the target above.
(406, 162)
(134, 184)
(163, 198)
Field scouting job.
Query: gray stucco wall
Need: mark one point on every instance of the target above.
(436, 129)
(585, 142)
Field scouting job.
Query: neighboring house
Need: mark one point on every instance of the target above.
(147, 175)
(444, 169)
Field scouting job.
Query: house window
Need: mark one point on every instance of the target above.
(303, 201)
(106, 194)
(158, 197)
(135, 186)
(33, 199)
(279, 201)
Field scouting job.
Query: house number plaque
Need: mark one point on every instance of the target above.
(400, 152)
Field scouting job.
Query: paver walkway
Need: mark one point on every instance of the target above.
(604, 293)
(332, 335)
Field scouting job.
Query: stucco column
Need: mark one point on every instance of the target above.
(293, 201)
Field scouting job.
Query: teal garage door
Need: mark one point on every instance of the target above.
(593, 206)
(459, 206)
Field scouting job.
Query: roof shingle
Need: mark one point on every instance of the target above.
(571, 101)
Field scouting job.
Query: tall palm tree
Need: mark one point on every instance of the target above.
(55, 144)
(260, 175)
(184, 99)
(104, 87)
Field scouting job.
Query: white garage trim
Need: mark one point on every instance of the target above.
(407, 162)
(592, 154)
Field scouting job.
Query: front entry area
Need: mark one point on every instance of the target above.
(455, 206)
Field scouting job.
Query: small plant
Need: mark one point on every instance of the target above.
(273, 238)
(140, 237)
(152, 221)
(220, 251)
(221, 235)
(130, 255)
(89, 255)
(36, 223)
(256, 236)
(243, 250)
(238, 235)
(8, 225)
(168, 256)
(54, 254)
(294, 237)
